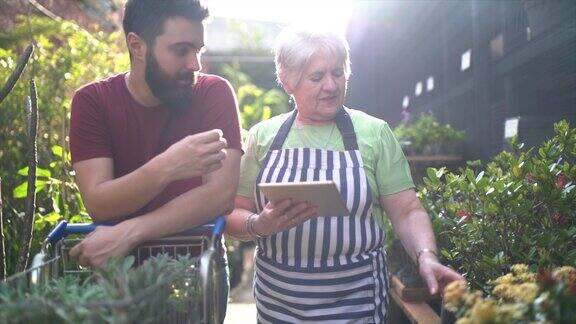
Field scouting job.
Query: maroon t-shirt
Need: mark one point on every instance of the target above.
(106, 121)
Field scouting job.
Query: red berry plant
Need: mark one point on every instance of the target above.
(518, 208)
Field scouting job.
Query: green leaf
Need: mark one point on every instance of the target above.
(57, 150)
(431, 172)
(479, 177)
(55, 202)
(39, 172)
(22, 190)
(470, 175)
(81, 205)
(127, 263)
(440, 172)
(490, 190)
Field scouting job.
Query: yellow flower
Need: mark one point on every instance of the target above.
(484, 312)
(471, 298)
(453, 293)
(505, 279)
(524, 292)
(565, 272)
(519, 268)
(508, 313)
(527, 277)
(502, 291)
(527, 292)
(464, 320)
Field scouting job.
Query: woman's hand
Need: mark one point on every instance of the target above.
(436, 275)
(281, 216)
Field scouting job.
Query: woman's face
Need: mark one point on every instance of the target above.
(319, 95)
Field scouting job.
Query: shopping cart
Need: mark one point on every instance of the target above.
(202, 243)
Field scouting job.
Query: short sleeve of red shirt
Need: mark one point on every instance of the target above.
(89, 134)
(221, 112)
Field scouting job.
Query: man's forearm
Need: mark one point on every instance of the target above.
(193, 208)
(115, 198)
(189, 210)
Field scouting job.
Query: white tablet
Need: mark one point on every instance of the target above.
(323, 194)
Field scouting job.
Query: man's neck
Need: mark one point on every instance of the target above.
(138, 88)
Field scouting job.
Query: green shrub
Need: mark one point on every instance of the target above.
(426, 135)
(520, 209)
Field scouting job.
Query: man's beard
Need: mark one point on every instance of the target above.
(174, 92)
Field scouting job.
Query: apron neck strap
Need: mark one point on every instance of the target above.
(343, 122)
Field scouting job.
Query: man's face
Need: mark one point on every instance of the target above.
(172, 63)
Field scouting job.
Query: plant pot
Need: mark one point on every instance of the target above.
(446, 316)
(404, 277)
(410, 294)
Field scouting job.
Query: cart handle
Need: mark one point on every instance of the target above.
(219, 225)
(63, 229)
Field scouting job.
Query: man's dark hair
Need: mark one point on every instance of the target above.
(146, 17)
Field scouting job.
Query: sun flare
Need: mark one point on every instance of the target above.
(325, 14)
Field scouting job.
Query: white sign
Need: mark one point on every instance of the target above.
(511, 127)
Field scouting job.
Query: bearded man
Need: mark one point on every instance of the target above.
(156, 150)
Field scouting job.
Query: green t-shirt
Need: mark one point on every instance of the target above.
(385, 165)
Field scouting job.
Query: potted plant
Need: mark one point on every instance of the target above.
(426, 136)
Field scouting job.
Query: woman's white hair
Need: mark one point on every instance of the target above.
(295, 45)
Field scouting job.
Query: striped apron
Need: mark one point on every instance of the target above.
(328, 269)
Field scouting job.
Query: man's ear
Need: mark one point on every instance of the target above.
(137, 46)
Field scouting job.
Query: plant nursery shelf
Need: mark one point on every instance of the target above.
(412, 302)
(417, 312)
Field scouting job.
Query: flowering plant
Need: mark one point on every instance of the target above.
(520, 208)
(520, 296)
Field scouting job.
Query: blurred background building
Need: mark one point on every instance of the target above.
(492, 68)
(477, 65)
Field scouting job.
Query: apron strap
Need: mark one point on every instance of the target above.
(283, 132)
(343, 122)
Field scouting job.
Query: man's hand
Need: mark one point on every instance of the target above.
(104, 242)
(195, 155)
(436, 275)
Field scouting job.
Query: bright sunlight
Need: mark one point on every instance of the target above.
(328, 14)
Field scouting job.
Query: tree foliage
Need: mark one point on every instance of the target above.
(65, 58)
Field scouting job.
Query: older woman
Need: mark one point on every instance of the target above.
(313, 267)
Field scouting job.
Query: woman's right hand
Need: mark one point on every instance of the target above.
(283, 215)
